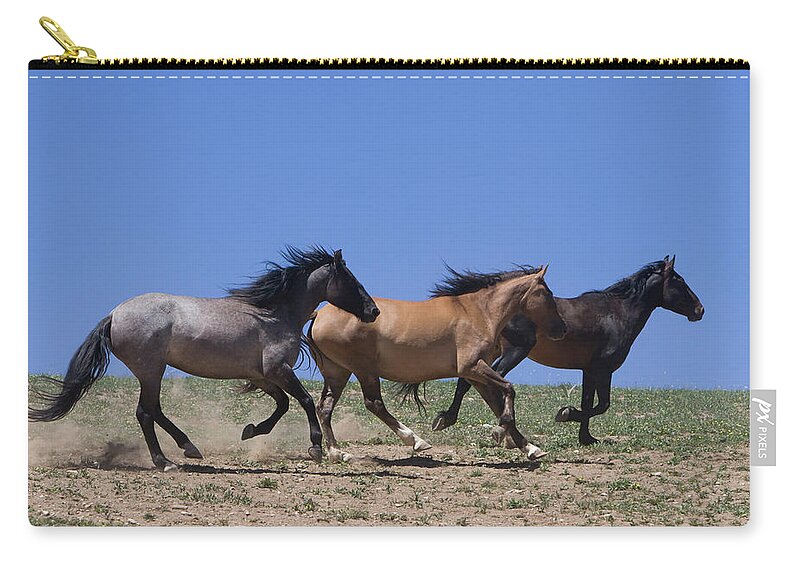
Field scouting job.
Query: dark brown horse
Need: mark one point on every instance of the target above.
(601, 328)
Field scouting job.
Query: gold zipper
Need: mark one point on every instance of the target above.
(75, 55)
(72, 53)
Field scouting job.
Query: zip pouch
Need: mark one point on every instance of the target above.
(522, 250)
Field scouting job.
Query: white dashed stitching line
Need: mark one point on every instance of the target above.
(389, 77)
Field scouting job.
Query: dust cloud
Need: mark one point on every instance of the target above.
(115, 440)
(66, 443)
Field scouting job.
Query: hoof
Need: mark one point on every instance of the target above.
(533, 453)
(248, 431)
(163, 464)
(421, 445)
(564, 414)
(442, 421)
(338, 455)
(315, 452)
(167, 466)
(587, 440)
(538, 455)
(192, 452)
(498, 434)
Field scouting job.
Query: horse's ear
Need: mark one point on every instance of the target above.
(337, 256)
(543, 271)
(669, 264)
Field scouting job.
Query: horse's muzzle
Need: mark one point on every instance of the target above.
(371, 314)
(698, 313)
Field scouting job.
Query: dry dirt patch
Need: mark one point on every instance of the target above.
(668, 457)
(384, 485)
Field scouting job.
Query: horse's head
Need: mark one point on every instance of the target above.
(677, 296)
(540, 306)
(347, 293)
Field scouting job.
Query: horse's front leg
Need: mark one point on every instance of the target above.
(285, 378)
(510, 358)
(487, 381)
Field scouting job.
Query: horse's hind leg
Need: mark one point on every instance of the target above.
(371, 388)
(446, 418)
(281, 407)
(594, 382)
(189, 449)
(149, 412)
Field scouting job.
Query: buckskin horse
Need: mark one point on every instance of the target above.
(454, 333)
(254, 333)
(601, 328)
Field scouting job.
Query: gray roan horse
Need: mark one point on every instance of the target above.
(253, 334)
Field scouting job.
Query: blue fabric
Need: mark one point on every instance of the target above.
(185, 181)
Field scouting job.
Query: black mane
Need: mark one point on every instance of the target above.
(633, 285)
(460, 283)
(271, 287)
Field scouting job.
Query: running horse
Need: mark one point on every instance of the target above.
(454, 333)
(601, 328)
(254, 333)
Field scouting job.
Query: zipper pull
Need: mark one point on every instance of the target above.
(72, 52)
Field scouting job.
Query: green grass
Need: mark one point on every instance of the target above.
(267, 483)
(344, 515)
(649, 440)
(683, 422)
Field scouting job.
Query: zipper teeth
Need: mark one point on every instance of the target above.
(391, 63)
(437, 63)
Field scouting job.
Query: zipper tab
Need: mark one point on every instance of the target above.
(75, 55)
(72, 52)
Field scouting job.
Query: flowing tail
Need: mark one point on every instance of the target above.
(307, 341)
(404, 392)
(88, 365)
(308, 350)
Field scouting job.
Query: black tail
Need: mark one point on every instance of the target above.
(406, 391)
(307, 340)
(88, 365)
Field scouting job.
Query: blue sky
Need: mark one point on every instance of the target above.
(188, 185)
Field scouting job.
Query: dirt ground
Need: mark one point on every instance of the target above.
(115, 484)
